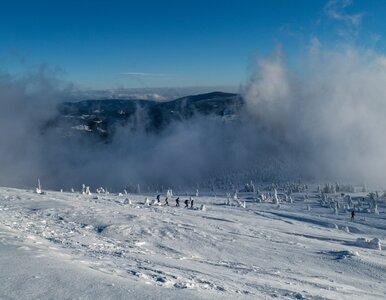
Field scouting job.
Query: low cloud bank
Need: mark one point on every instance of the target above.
(324, 122)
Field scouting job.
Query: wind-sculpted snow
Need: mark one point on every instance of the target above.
(298, 249)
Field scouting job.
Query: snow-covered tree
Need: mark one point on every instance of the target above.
(38, 190)
(335, 207)
(88, 192)
(275, 197)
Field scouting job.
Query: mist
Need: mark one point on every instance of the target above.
(27, 101)
(325, 122)
(330, 116)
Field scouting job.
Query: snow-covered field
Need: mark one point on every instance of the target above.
(73, 246)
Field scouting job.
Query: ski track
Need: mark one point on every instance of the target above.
(258, 252)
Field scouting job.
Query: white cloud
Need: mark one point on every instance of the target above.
(143, 75)
(336, 9)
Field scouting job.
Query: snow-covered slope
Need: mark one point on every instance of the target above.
(74, 246)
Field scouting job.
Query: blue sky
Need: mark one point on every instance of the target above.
(113, 44)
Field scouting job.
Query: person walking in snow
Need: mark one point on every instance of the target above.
(166, 201)
(186, 203)
(191, 203)
(178, 201)
(352, 215)
(158, 198)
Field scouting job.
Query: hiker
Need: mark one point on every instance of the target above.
(158, 198)
(352, 215)
(166, 201)
(186, 203)
(191, 203)
(178, 201)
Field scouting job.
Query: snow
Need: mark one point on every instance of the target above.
(366, 243)
(62, 245)
(82, 128)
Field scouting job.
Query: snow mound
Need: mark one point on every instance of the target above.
(371, 244)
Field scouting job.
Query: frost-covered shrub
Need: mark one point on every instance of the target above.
(263, 197)
(249, 187)
(335, 208)
(127, 201)
(329, 189)
(348, 200)
(228, 201)
(100, 190)
(169, 193)
(88, 192)
(346, 188)
(373, 202)
(375, 244)
(85, 190)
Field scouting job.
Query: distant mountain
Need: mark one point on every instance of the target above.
(99, 118)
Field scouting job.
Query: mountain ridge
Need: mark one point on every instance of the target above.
(100, 117)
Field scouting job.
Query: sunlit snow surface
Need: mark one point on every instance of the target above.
(73, 246)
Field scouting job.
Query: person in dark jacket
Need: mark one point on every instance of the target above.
(166, 201)
(158, 198)
(178, 201)
(352, 215)
(186, 203)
